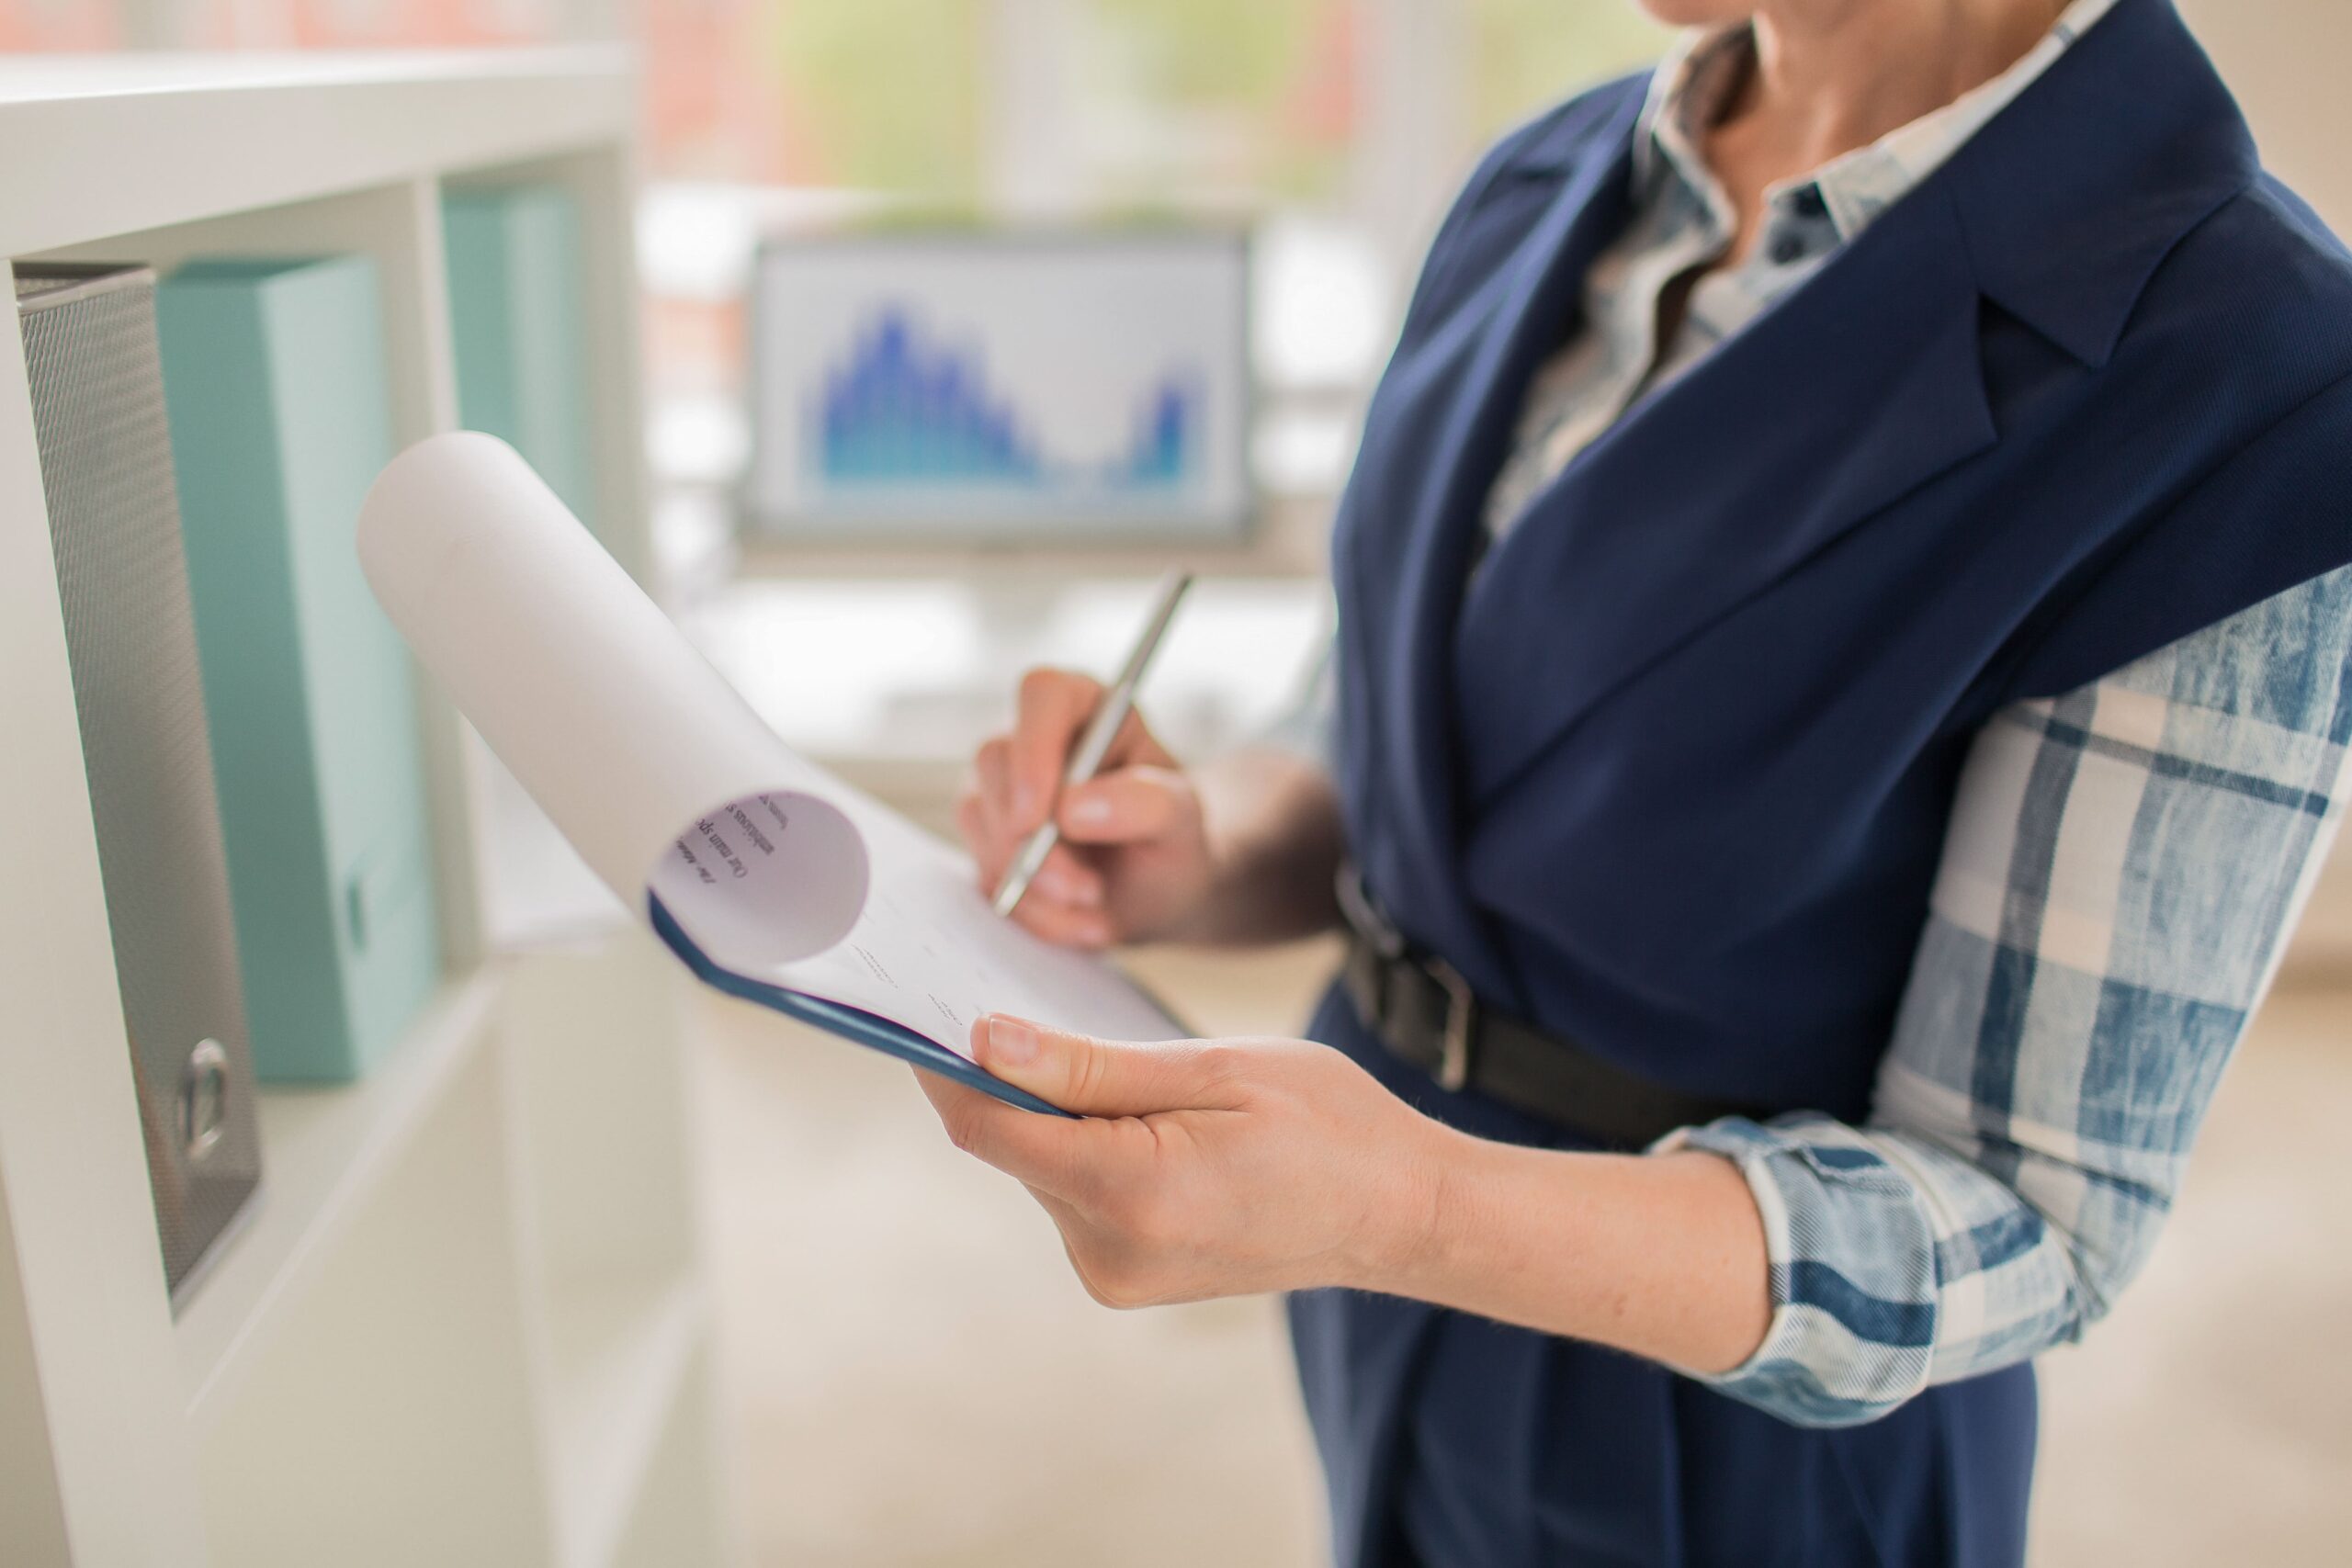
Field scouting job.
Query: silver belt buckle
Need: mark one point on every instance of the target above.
(1460, 1018)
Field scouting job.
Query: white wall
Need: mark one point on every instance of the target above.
(2284, 59)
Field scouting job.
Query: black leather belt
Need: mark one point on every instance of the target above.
(1424, 1012)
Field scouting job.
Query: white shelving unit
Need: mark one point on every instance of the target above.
(466, 1323)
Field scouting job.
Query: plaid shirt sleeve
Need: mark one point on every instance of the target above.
(2121, 870)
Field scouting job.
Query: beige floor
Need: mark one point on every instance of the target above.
(913, 1379)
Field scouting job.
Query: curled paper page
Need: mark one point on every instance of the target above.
(623, 733)
(783, 881)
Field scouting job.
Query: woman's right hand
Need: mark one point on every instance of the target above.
(1134, 861)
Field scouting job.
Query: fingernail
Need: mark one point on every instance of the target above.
(1024, 802)
(1089, 810)
(1011, 1042)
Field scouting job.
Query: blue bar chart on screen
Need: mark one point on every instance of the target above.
(907, 409)
(986, 386)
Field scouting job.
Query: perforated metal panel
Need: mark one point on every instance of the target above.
(105, 460)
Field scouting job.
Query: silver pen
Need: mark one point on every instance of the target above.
(1101, 730)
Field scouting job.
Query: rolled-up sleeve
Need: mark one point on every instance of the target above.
(2122, 868)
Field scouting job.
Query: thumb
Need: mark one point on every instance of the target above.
(1095, 1078)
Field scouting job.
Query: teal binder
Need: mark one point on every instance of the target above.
(517, 317)
(274, 383)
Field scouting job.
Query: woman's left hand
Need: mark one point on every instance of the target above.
(1205, 1167)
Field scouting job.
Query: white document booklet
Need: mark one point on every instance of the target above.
(770, 878)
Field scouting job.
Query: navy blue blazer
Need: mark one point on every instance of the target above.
(1673, 777)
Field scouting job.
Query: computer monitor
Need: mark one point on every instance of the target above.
(981, 386)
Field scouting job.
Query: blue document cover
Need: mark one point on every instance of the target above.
(849, 1022)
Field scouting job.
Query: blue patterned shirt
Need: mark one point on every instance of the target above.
(2121, 871)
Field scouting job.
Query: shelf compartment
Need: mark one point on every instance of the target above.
(398, 227)
(603, 1122)
(324, 1152)
(620, 1342)
(388, 1364)
(389, 1417)
(677, 1519)
(590, 1026)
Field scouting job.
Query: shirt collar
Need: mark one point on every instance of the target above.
(1693, 84)
(1687, 91)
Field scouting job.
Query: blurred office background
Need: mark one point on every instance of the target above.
(889, 1312)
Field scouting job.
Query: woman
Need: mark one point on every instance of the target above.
(1840, 688)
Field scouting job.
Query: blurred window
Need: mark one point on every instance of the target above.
(58, 25)
(1527, 54)
(1023, 107)
(1338, 128)
(882, 95)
